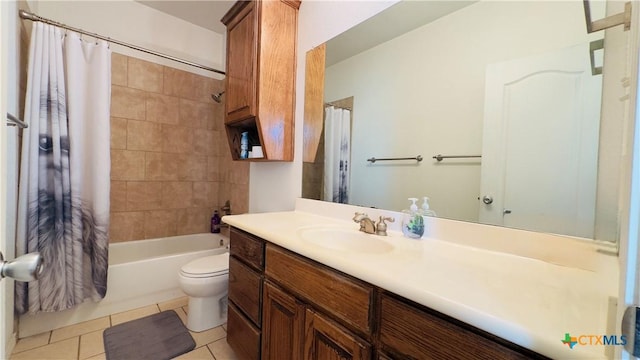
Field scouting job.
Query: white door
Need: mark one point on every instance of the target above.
(540, 143)
(629, 250)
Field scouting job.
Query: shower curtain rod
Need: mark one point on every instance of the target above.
(33, 17)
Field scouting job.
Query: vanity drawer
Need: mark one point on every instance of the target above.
(407, 331)
(347, 299)
(242, 336)
(247, 248)
(245, 289)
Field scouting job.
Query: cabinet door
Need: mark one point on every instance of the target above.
(241, 74)
(325, 340)
(283, 324)
(242, 336)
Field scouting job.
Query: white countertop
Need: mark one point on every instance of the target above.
(527, 301)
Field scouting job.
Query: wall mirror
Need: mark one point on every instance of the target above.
(514, 85)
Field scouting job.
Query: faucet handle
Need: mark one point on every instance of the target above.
(383, 219)
(359, 216)
(382, 225)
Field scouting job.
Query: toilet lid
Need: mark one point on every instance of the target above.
(207, 266)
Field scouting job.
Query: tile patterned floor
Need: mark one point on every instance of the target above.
(84, 341)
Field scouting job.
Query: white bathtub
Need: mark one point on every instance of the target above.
(141, 273)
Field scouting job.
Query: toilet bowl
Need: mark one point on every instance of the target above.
(205, 281)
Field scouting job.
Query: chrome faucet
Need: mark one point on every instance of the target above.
(366, 225)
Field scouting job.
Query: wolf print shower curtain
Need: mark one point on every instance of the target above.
(63, 210)
(337, 158)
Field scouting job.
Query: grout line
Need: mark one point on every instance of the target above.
(78, 352)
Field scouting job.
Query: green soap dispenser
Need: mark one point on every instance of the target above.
(412, 221)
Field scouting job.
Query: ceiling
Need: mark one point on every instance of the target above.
(204, 13)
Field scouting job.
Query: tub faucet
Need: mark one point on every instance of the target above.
(366, 225)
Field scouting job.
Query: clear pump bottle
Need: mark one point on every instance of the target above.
(412, 221)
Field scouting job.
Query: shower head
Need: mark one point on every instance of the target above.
(217, 97)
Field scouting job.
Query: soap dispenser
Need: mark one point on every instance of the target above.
(426, 210)
(412, 221)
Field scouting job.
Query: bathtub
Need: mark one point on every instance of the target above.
(141, 273)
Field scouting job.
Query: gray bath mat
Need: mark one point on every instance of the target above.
(159, 336)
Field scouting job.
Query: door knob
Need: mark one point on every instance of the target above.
(27, 267)
(487, 199)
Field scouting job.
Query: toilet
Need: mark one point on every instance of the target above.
(205, 281)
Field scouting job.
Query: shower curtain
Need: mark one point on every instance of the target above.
(337, 147)
(63, 209)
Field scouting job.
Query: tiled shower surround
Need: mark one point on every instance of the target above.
(170, 162)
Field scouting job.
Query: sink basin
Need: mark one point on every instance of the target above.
(345, 240)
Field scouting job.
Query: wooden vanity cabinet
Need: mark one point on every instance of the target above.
(246, 275)
(282, 324)
(313, 312)
(260, 76)
(414, 332)
(325, 339)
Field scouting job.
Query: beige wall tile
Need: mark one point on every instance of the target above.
(220, 144)
(204, 142)
(126, 226)
(118, 69)
(66, 349)
(123, 317)
(176, 195)
(163, 109)
(91, 344)
(166, 128)
(192, 168)
(239, 173)
(144, 135)
(160, 223)
(194, 221)
(118, 133)
(127, 165)
(128, 103)
(79, 329)
(162, 166)
(144, 195)
(240, 198)
(205, 194)
(205, 86)
(177, 139)
(118, 196)
(196, 114)
(214, 169)
(145, 75)
(179, 83)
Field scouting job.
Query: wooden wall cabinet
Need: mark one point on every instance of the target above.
(260, 78)
(313, 312)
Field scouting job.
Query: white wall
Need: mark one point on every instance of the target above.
(275, 186)
(8, 163)
(427, 97)
(137, 24)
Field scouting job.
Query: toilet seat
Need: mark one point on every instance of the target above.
(208, 266)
